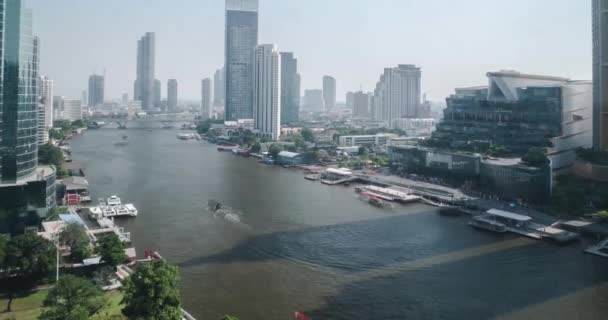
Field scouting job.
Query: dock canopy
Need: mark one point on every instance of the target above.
(509, 215)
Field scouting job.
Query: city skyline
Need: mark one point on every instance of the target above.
(539, 54)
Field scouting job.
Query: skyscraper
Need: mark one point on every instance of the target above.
(46, 98)
(397, 93)
(206, 98)
(24, 186)
(219, 87)
(329, 92)
(241, 40)
(313, 100)
(19, 93)
(84, 98)
(290, 88)
(96, 90)
(144, 84)
(267, 91)
(350, 100)
(600, 74)
(172, 95)
(360, 104)
(156, 94)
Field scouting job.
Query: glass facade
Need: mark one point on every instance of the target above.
(19, 96)
(290, 89)
(241, 40)
(518, 125)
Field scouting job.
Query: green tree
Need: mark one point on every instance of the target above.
(50, 155)
(152, 293)
(72, 298)
(64, 125)
(535, 157)
(203, 127)
(56, 134)
(299, 142)
(496, 150)
(274, 150)
(78, 124)
(311, 157)
(362, 151)
(256, 147)
(308, 135)
(75, 236)
(3, 244)
(30, 258)
(111, 250)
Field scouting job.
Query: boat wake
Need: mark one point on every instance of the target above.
(227, 214)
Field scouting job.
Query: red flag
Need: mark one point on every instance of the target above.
(300, 316)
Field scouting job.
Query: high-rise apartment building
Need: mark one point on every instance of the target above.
(240, 41)
(350, 100)
(219, 87)
(46, 98)
(72, 109)
(25, 187)
(156, 94)
(144, 84)
(206, 99)
(96, 90)
(397, 94)
(329, 92)
(290, 88)
(600, 74)
(313, 100)
(172, 95)
(267, 91)
(360, 104)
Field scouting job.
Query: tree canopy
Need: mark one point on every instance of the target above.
(256, 147)
(72, 298)
(152, 292)
(535, 157)
(308, 135)
(111, 250)
(75, 236)
(274, 150)
(49, 154)
(30, 258)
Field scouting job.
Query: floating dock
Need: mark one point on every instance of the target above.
(395, 195)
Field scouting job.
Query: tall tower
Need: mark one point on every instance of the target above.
(397, 94)
(290, 88)
(600, 74)
(144, 83)
(96, 90)
(267, 91)
(329, 92)
(241, 40)
(171, 95)
(19, 103)
(219, 81)
(206, 99)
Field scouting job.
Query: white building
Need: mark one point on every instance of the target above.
(360, 140)
(206, 99)
(267, 91)
(397, 94)
(72, 109)
(415, 127)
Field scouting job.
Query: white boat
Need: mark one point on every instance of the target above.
(483, 222)
(95, 212)
(121, 210)
(108, 211)
(113, 201)
(132, 210)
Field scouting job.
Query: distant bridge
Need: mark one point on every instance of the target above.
(167, 120)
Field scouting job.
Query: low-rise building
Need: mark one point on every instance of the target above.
(415, 127)
(507, 178)
(361, 140)
(286, 158)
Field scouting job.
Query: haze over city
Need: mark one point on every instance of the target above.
(455, 43)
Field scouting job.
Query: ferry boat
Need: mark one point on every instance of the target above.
(485, 223)
(373, 200)
(113, 201)
(132, 211)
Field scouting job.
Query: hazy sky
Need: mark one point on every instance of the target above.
(454, 42)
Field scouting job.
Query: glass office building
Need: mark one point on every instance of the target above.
(19, 96)
(241, 41)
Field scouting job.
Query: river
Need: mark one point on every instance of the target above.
(318, 249)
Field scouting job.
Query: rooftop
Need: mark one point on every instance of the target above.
(509, 215)
(519, 75)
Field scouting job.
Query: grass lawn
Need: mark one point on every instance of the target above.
(29, 307)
